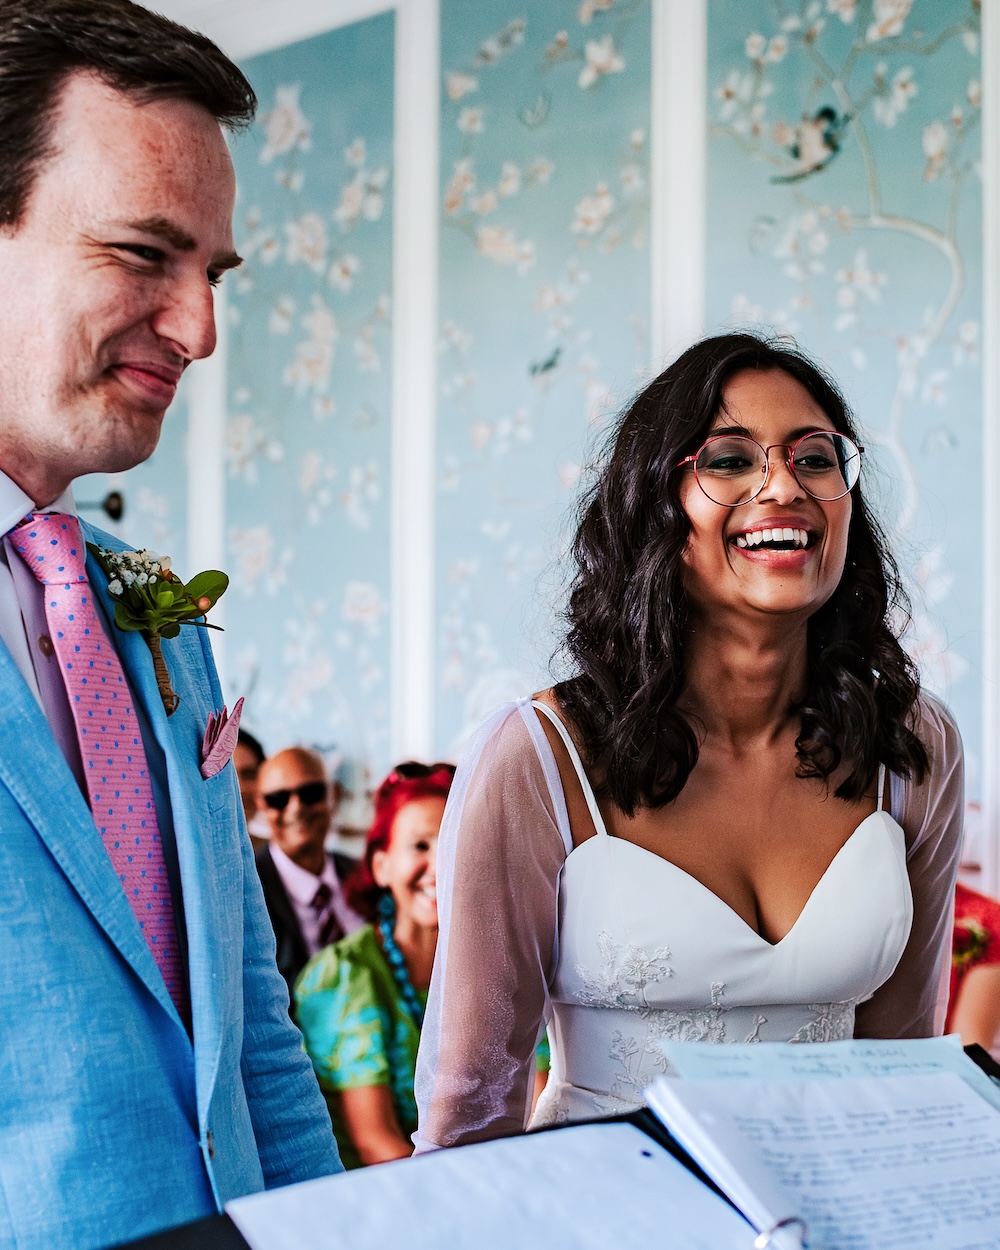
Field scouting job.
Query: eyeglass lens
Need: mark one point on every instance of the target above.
(309, 792)
(732, 469)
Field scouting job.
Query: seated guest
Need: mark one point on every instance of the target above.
(301, 880)
(247, 759)
(360, 1002)
(974, 1005)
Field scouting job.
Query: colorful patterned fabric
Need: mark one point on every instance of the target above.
(976, 938)
(357, 1030)
(114, 760)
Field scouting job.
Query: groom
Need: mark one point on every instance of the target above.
(150, 1072)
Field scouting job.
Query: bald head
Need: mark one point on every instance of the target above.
(295, 798)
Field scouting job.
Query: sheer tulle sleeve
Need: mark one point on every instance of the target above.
(913, 1002)
(504, 839)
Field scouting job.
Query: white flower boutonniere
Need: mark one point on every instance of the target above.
(152, 600)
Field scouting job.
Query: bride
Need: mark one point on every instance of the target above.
(739, 819)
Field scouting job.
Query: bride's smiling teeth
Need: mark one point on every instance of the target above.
(776, 539)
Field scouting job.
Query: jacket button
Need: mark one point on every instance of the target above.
(45, 645)
(210, 1144)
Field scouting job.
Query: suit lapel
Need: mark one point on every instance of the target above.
(34, 771)
(209, 881)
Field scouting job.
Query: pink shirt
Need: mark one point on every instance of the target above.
(23, 628)
(301, 887)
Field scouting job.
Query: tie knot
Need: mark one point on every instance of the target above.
(322, 896)
(51, 545)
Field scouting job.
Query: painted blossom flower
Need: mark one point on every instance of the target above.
(342, 271)
(470, 121)
(307, 242)
(354, 153)
(632, 180)
(253, 549)
(282, 315)
(890, 17)
(737, 90)
(364, 350)
(485, 203)
(974, 93)
(601, 58)
(285, 125)
(348, 211)
(860, 275)
(459, 84)
(935, 145)
(498, 243)
(462, 181)
(756, 46)
(510, 180)
(541, 170)
(589, 7)
(310, 370)
(902, 91)
(846, 10)
(593, 211)
(777, 49)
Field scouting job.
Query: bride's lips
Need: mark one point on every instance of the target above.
(154, 380)
(793, 527)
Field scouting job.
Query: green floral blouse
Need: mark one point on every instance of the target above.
(356, 1029)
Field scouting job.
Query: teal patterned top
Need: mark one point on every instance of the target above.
(357, 1030)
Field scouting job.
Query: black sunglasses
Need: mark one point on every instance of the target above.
(309, 793)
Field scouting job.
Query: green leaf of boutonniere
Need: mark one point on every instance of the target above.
(152, 600)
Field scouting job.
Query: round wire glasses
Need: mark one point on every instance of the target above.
(732, 469)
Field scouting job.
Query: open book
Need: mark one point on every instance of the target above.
(838, 1161)
(589, 1187)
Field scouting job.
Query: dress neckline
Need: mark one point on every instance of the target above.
(603, 837)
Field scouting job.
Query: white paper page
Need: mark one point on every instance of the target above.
(594, 1187)
(785, 1061)
(893, 1163)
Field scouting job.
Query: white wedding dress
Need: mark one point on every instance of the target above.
(614, 948)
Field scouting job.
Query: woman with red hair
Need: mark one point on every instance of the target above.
(360, 1002)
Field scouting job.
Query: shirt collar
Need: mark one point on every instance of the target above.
(300, 884)
(15, 504)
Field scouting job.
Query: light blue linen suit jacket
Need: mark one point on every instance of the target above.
(113, 1123)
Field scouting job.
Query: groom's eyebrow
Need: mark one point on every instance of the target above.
(170, 232)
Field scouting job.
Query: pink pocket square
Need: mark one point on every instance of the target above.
(220, 740)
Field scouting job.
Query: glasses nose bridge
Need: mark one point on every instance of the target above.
(786, 462)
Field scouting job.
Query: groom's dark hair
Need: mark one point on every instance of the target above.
(136, 51)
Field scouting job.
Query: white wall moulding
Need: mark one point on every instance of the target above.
(677, 177)
(415, 320)
(990, 840)
(245, 28)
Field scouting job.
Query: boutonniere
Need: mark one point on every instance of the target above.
(151, 599)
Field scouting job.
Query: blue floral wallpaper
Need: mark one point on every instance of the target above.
(544, 299)
(155, 493)
(309, 392)
(844, 207)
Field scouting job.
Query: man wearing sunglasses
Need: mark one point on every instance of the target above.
(301, 880)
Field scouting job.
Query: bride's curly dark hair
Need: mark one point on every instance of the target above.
(628, 607)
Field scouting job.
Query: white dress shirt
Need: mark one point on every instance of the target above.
(23, 628)
(301, 887)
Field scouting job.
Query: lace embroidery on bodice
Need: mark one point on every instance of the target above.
(625, 973)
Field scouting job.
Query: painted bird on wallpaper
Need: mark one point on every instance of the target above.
(541, 367)
(817, 141)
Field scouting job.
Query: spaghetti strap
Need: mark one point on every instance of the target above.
(574, 755)
(881, 787)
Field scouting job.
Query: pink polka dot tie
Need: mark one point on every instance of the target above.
(114, 762)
